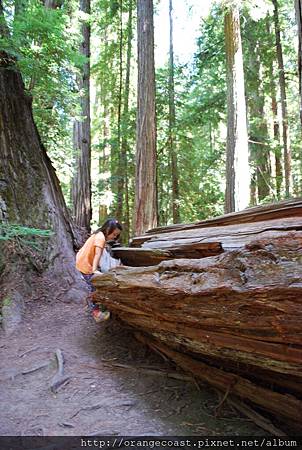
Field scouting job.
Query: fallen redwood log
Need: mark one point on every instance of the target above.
(278, 210)
(230, 237)
(239, 312)
(202, 242)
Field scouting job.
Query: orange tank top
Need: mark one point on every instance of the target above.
(85, 255)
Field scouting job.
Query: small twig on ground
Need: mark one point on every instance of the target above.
(102, 405)
(35, 369)
(29, 351)
(66, 425)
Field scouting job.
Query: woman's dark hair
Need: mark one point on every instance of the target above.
(109, 226)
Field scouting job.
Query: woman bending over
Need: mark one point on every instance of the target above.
(90, 256)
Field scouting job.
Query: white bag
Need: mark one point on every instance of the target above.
(107, 262)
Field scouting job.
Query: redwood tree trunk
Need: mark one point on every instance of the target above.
(30, 193)
(285, 131)
(172, 140)
(145, 184)
(258, 131)
(237, 194)
(298, 5)
(81, 192)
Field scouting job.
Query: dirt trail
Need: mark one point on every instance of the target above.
(99, 398)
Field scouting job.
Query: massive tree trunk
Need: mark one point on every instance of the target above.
(298, 6)
(172, 140)
(285, 130)
(30, 195)
(145, 183)
(232, 319)
(81, 192)
(237, 195)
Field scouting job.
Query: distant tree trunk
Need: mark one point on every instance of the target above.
(120, 174)
(285, 130)
(277, 149)
(237, 165)
(298, 6)
(4, 31)
(125, 119)
(30, 195)
(145, 184)
(172, 141)
(53, 4)
(258, 129)
(81, 192)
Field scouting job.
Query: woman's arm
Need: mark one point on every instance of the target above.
(96, 259)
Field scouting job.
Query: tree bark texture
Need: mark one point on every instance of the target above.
(277, 150)
(223, 300)
(298, 6)
(123, 195)
(285, 130)
(237, 195)
(172, 140)
(278, 210)
(81, 192)
(145, 184)
(30, 193)
(258, 130)
(235, 315)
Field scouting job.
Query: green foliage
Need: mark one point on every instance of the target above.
(45, 44)
(24, 235)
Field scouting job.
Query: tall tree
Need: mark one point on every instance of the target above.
(276, 126)
(145, 184)
(172, 140)
(125, 120)
(285, 129)
(31, 196)
(237, 165)
(258, 126)
(81, 188)
(298, 6)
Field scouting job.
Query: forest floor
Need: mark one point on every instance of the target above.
(101, 397)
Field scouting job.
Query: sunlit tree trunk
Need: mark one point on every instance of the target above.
(120, 168)
(145, 183)
(285, 130)
(237, 166)
(277, 149)
(298, 5)
(81, 192)
(172, 140)
(125, 120)
(258, 129)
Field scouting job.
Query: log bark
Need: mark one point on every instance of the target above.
(239, 312)
(231, 237)
(283, 209)
(284, 405)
